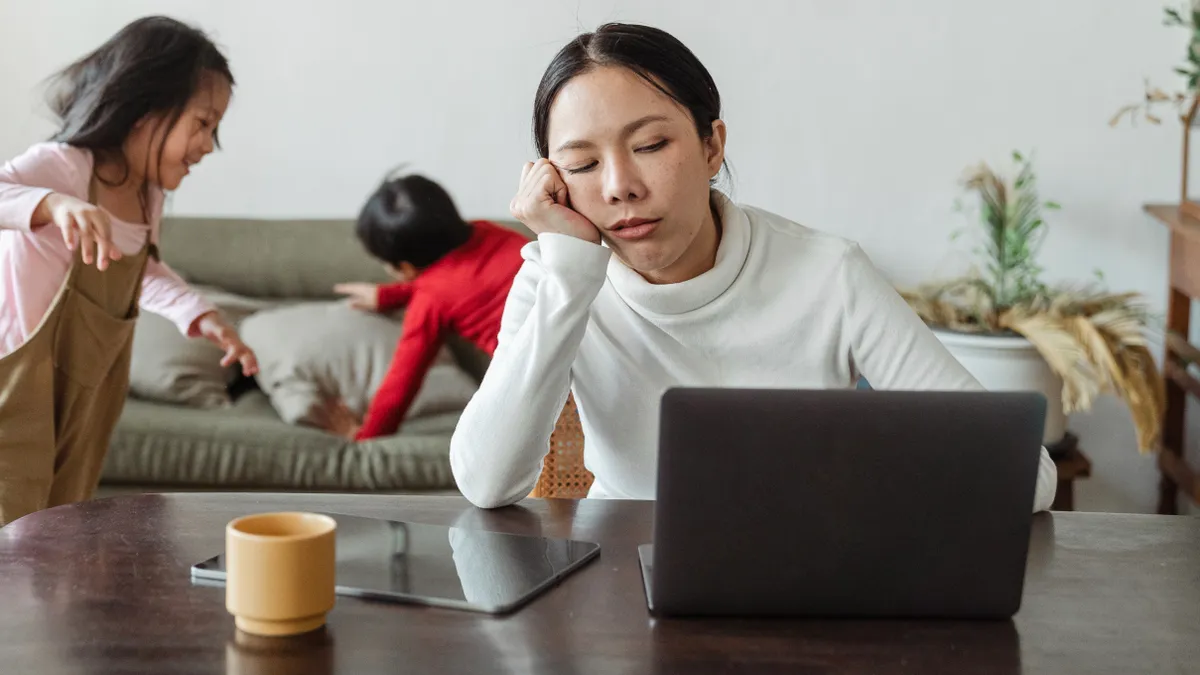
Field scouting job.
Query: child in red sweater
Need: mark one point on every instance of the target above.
(453, 276)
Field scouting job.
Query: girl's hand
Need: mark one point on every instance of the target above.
(542, 204)
(361, 296)
(82, 224)
(215, 330)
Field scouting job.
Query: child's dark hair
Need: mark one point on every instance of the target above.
(152, 65)
(651, 53)
(411, 219)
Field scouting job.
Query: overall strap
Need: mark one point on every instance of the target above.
(128, 264)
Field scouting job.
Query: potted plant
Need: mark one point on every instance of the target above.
(1013, 332)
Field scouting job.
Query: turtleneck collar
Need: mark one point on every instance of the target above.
(690, 295)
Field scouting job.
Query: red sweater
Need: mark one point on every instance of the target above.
(463, 292)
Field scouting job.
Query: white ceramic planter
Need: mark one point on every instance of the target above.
(1011, 364)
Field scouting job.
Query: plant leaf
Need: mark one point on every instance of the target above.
(1127, 110)
(1062, 352)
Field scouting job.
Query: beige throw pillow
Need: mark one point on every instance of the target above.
(168, 367)
(312, 352)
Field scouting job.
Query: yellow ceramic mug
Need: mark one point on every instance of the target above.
(280, 572)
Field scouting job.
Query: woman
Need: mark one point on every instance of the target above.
(644, 278)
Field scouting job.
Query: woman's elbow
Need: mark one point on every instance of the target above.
(478, 485)
(484, 493)
(489, 499)
(1047, 483)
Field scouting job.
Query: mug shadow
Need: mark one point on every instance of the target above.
(307, 654)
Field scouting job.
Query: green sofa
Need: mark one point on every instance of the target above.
(248, 447)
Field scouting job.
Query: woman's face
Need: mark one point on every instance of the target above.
(635, 166)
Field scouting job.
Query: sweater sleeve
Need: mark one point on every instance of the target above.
(167, 295)
(27, 179)
(390, 297)
(504, 433)
(420, 340)
(894, 349)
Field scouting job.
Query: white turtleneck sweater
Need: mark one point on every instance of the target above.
(784, 306)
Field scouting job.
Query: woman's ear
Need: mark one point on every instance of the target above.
(714, 148)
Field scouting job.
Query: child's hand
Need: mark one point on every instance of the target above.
(542, 204)
(215, 330)
(82, 224)
(361, 296)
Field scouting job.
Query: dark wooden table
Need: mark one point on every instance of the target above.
(103, 587)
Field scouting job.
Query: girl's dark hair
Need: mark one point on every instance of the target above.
(153, 65)
(411, 219)
(653, 54)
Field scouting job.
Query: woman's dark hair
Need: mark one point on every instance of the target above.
(653, 54)
(411, 219)
(153, 65)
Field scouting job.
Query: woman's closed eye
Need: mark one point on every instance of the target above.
(582, 169)
(653, 147)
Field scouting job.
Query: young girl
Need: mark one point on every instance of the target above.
(688, 288)
(79, 220)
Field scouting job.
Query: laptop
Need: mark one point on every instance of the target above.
(868, 504)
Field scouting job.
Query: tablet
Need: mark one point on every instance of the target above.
(439, 566)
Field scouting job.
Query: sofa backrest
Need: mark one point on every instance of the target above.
(271, 258)
(285, 259)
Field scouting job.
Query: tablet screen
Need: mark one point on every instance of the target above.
(438, 565)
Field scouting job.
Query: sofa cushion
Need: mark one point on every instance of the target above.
(311, 353)
(248, 446)
(171, 368)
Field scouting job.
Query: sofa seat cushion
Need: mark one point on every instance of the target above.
(249, 446)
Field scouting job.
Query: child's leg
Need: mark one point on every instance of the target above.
(88, 417)
(26, 433)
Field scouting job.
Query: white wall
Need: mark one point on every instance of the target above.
(855, 116)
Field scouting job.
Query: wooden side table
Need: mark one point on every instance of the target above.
(1071, 465)
(1184, 287)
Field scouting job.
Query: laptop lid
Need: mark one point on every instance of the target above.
(844, 503)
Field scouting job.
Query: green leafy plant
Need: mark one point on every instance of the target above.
(1013, 232)
(1176, 17)
(1186, 16)
(1093, 339)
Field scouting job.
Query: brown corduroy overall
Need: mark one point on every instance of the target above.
(62, 391)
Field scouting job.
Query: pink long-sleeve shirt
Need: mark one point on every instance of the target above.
(34, 262)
